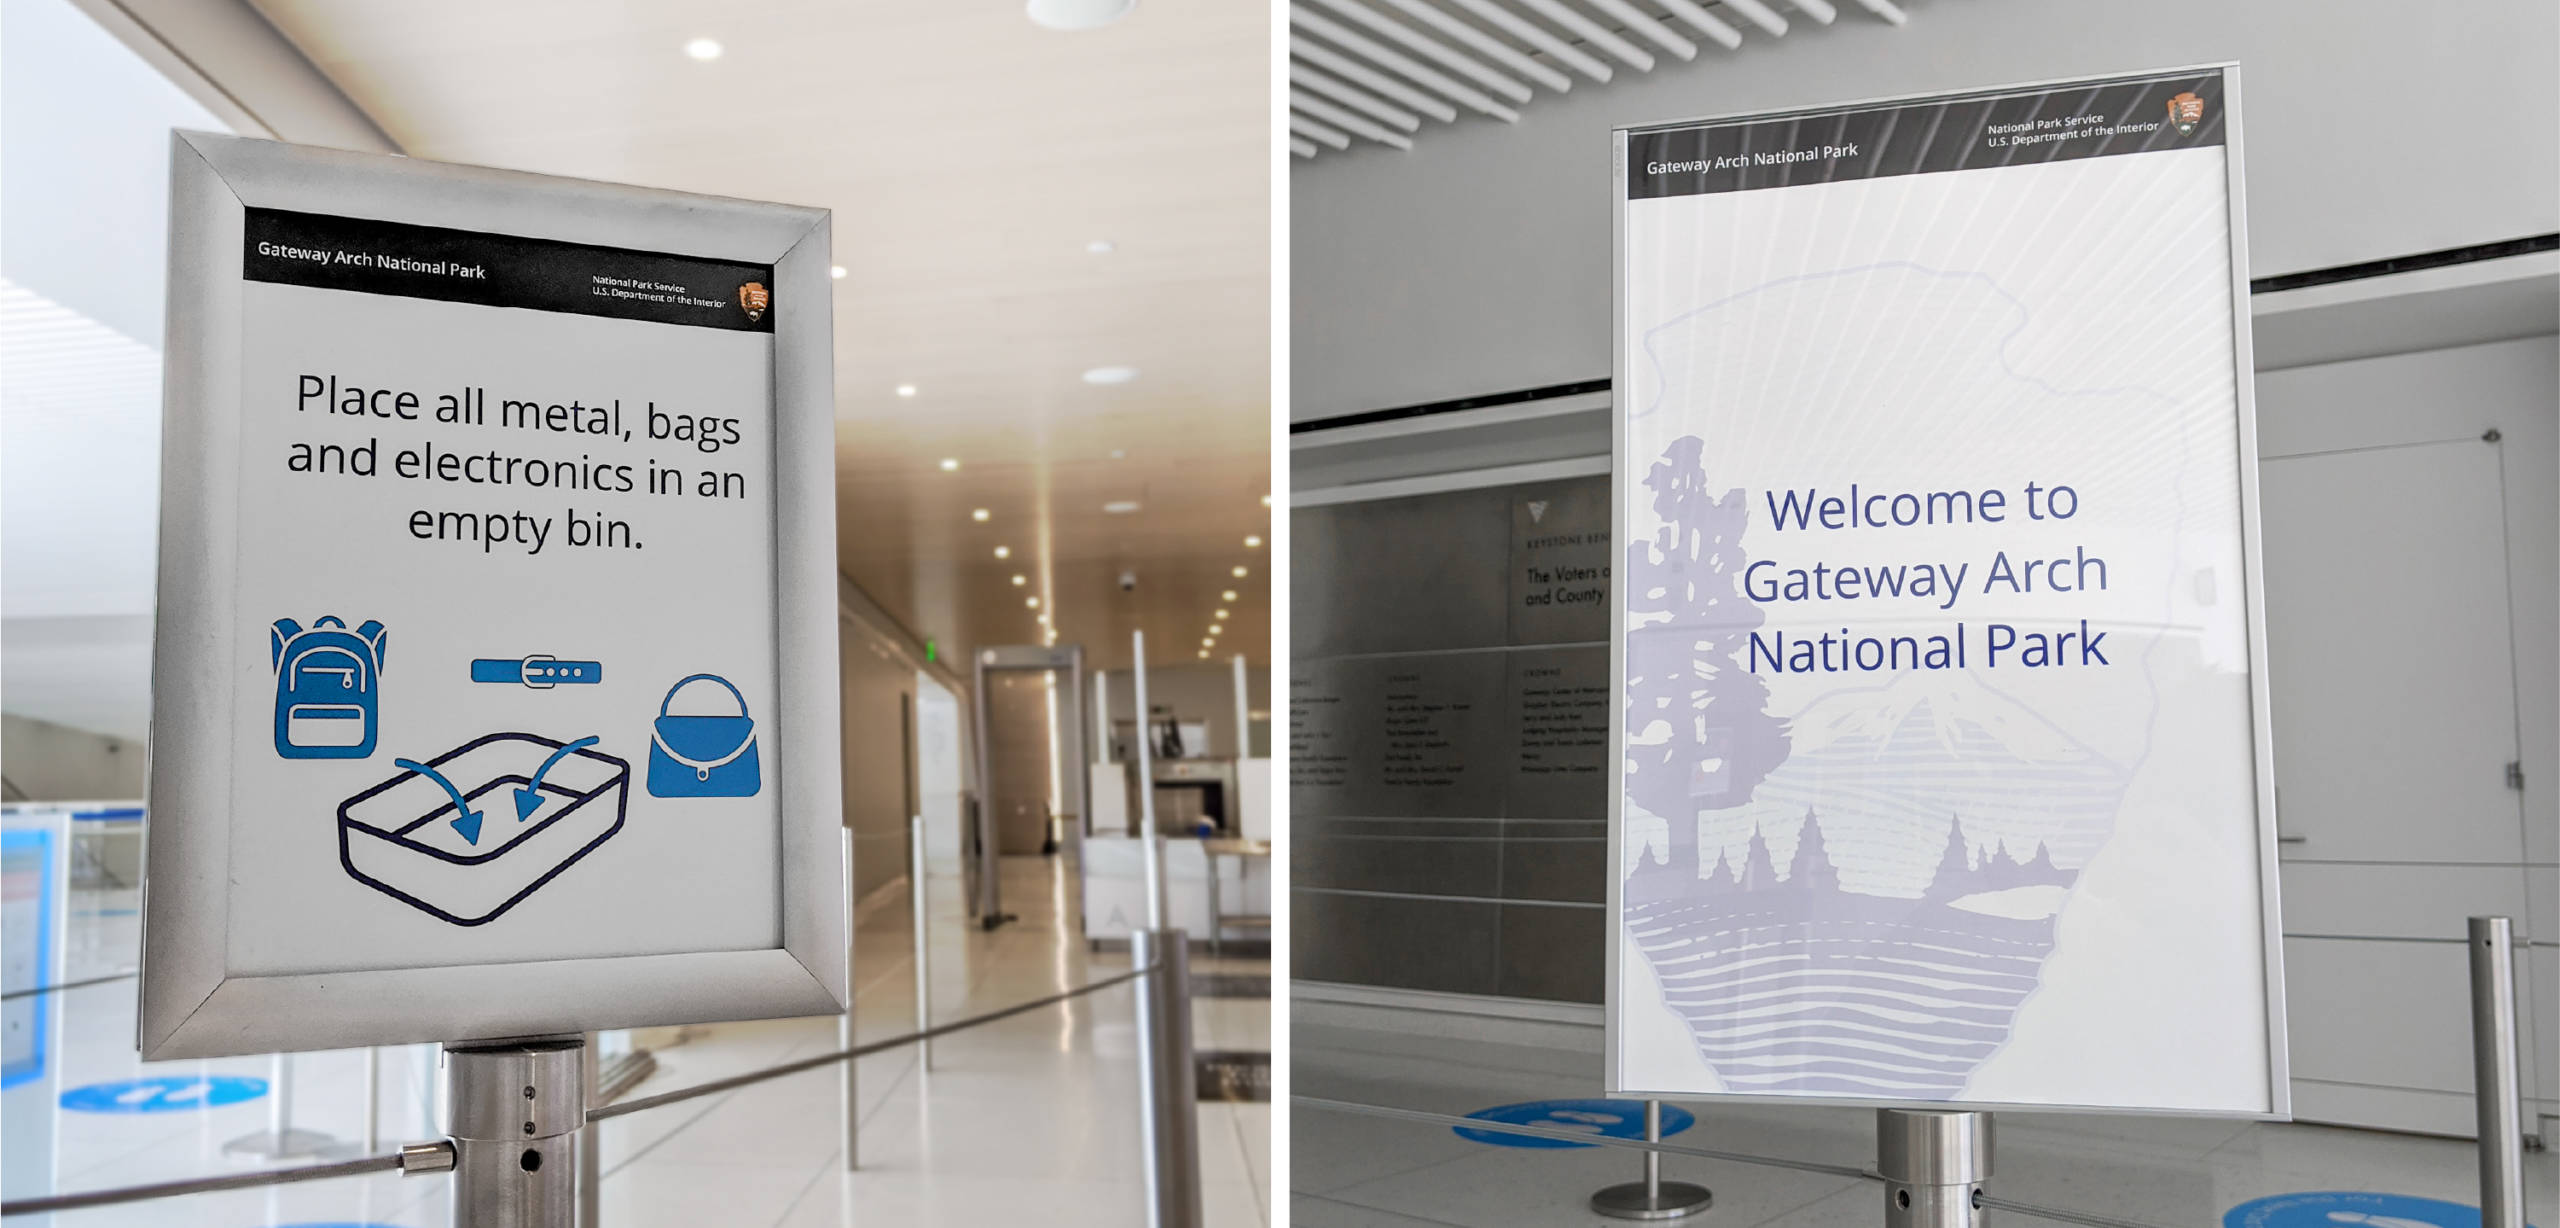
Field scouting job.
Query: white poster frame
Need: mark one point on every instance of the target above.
(2276, 1104)
(193, 1004)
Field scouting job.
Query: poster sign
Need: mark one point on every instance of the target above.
(1941, 715)
(496, 644)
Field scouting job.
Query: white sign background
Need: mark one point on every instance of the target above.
(696, 596)
(2066, 323)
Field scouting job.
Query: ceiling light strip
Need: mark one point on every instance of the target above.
(1300, 74)
(1885, 9)
(1653, 31)
(1326, 57)
(1819, 10)
(1536, 36)
(1589, 31)
(1704, 22)
(1484, 44)
(1429, 46)
(1351, 40)
(1314, 131)
(1760, 15)
(1317, 108)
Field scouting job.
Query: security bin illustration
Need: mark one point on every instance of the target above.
(533, 806)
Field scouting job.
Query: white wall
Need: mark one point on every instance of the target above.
(1480, 261)
(46, 762)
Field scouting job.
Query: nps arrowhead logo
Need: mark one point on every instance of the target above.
(753, 298)
(2186, 113)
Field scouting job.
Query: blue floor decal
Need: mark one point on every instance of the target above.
(164, 1094)
(2331, 1208)
(1603, 1118)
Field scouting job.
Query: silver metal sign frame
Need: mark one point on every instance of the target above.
(193, 1005)
(2278, 1100)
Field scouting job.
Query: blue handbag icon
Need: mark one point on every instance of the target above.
(703, 756)
(328, 688)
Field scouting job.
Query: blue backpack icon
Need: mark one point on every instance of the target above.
(328, 688)
(703, 756)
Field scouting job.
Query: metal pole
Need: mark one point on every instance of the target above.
(845, 1081)
(590, 1138)
(1652, 1198)
(517, 1110)
(1170, 1109)
(1244, 730)
(2493, 1066)
(924, 973)
(1933, 1165)
(1153, 849)
(372, 1100)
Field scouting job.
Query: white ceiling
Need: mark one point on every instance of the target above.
(1380, 73)
(969, 157)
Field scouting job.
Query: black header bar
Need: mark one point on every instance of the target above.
(494, 270)
(2091, 119)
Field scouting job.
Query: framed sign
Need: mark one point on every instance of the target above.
(1941, 722)
(495, 671)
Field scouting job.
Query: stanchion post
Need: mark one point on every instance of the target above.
(1170, 1108)
(1652, 1198)
(517, 1113)
(372, 1099)
(1933, 1165)
(2493, 1066)
(851, 1135)
(591, 1138)
(1151, 848)
(924, 973)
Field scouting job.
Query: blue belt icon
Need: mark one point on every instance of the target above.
(541, 671)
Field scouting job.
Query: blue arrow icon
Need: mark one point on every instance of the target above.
(465, 819)
(529, 798)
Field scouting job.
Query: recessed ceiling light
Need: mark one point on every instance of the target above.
(1019, 581)
(1252, 541)
(1119, 453)
(1044, 620)
(1076, 14)
(1205, 641)
(1110, 375)
(1204, 654)
(1101, 247)
(1031, 603)
(1222, 613)
(836, 271)
(1121, 507)
(906, 390)
(1228, 595)
(1004, 552)
(978, 514)
(1237, 572)
(1266, 500)
(950, 463)
(705, 49)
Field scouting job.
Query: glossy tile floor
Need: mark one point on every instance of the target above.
(1350, 1170)
(1034, 1118)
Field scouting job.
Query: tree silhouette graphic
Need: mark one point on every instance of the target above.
(1699, 735)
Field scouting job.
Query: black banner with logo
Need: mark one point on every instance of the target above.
(2089, 120)
(494, 270)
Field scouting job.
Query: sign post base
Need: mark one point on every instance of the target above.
(1652, 1198)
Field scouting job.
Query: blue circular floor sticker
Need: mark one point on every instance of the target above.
(1602, 1118)
(2331, 1208)
(164, 1094)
